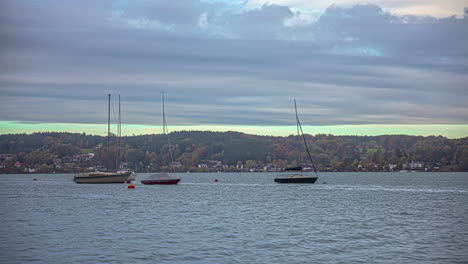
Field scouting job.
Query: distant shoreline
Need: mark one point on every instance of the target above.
(197, 151)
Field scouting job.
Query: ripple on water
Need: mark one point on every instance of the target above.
(356, 218)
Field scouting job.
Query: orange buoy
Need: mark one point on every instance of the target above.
(131, 186)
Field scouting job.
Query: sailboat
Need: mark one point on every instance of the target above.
(299, 177)
(118, 159)
(105, 176)
(162, 177)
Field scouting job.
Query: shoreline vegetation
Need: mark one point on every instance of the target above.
(206, 151)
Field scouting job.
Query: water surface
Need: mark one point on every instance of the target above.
(244, 217)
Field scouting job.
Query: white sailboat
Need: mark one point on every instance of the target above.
(105, 176)
(118, 157)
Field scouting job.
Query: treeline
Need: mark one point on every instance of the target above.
(43, 151)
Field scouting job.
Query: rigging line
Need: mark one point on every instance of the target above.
(305, 142)
(300, 126)
(298, 134)
(166, 132)
(122, 155)
(297, 118)
(108, 132)
(115, 115)
(117, 157)
(117, 134)
(307, 148)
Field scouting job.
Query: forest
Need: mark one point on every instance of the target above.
(71, 152)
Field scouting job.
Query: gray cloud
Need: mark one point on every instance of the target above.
(224, 64)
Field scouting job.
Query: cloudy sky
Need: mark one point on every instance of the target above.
(388, 66)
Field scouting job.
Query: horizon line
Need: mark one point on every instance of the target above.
(452, 131)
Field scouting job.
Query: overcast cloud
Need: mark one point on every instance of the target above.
(233, 62)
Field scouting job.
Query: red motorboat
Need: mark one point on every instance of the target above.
(160, 178)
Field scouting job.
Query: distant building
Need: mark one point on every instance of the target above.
(82, 157)
(391, 167)
(6, 156)
(176, 164)
(413, 165)
(272, 168)
(210, 164)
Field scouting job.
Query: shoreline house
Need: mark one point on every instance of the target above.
(413, 165)
(6, 157)
(210, 164)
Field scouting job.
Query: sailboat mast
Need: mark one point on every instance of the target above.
(108, 132)
(297, 118)
(119, 123)
(166, 132)
(305, 142)
(164, 114)
(298, 133)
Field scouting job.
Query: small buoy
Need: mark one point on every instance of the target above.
(216, 180)
(324, 182)
(128, 182)
(34, 179)
(131, 186)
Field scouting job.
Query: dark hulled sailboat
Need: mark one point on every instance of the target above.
(299, 177)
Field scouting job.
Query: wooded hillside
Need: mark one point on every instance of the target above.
(66, 152)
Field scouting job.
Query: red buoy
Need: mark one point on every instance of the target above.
(128, 182)
(131, 186)
(216, 180)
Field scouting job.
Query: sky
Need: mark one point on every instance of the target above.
(354, 68)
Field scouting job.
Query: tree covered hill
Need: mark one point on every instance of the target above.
(62, 152)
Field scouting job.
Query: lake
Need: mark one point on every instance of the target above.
(242, 218)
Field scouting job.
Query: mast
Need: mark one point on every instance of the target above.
(119, 132)
(298, 133)
(166, 132)
(164, 114)
(297, 118)
(303, 137)
(108, 132)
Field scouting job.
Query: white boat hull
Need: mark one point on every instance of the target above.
(102, 177)
(132, 177)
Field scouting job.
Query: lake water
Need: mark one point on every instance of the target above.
(243, 218)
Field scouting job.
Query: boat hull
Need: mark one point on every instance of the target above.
(296, 179)
(104, 177)
(132, 176)
(153, 182)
